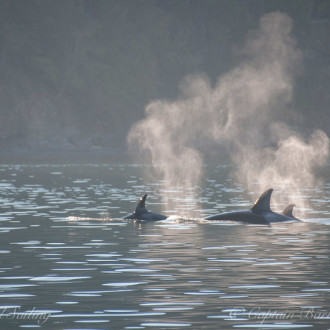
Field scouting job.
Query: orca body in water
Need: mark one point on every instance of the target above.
(260, 213)
(141, 213)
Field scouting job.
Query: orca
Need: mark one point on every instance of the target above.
(141, 213)
(288, 212)
(260, 213)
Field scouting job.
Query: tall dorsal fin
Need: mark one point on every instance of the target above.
(288, 210)
(263, 202)
(141, 204)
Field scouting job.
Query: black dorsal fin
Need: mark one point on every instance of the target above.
(263, 202)
(141, 204)
(288, 210)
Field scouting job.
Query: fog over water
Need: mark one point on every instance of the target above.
(186, 82)
(240, 112)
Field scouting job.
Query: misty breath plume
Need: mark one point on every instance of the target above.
(242, 111)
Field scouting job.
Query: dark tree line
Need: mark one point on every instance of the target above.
(75, 74)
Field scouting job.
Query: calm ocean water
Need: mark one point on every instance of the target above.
(69, 262)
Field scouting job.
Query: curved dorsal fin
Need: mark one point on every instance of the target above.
(263, 202)
(141, 204)
(288, 210)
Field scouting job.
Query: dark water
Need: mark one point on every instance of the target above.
(66, 265)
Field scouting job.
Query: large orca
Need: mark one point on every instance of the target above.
(260, 213)
(141, 213)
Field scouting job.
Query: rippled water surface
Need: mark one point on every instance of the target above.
(69, 262)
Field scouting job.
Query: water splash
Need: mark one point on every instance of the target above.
(244, 112)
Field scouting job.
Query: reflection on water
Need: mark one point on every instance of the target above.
(66, 265)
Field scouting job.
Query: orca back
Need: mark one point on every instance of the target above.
(141, 212)
(141, 207)
(262, 205)
(288, 210)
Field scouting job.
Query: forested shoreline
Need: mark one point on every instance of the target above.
(76, 74)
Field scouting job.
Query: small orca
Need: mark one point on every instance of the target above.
(288, 212)
(260, 213)
(141, 213)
